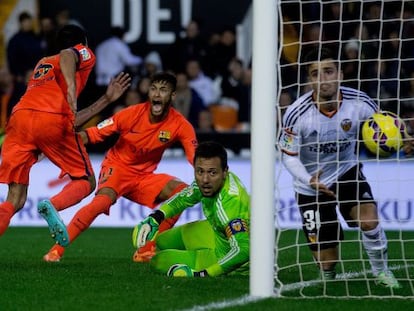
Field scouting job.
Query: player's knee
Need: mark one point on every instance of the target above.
(171, 188)
(106, 196)
(18, 205)
(92, 183)
(17, 195)
(368, 225)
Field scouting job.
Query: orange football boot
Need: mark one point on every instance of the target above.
(144, 253)
(52, 256)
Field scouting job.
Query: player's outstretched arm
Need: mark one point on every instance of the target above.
(147, 230)
(116, 88)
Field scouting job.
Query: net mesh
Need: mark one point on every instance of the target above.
(374, 41)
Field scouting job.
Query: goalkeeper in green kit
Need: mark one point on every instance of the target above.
(215, 246)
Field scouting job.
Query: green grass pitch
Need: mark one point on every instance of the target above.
(97, 273)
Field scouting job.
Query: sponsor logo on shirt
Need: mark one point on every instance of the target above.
(105, 123)
(84, 53)
(42, 70)
(332, 147)
(164, 136)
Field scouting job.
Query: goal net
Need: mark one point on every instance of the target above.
(374, 41)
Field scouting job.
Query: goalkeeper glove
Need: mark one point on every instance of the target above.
(181, 270)
(147, 230)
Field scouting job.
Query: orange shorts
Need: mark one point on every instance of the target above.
(139, 187)
(30, 133)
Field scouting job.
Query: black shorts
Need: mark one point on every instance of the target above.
(320, 221)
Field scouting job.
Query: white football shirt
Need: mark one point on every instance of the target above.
(323, 142)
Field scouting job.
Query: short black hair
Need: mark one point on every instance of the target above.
(167, 77)
(318, 54)
(212, 149)
(70, 35)
(24, 16)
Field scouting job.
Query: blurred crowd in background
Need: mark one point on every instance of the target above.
(213, 85)
(374, 40)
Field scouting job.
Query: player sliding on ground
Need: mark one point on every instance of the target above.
(44, 121)
(320, 132)
(145, 131)
(211, 247)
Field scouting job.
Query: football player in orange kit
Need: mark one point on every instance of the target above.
(145, 131)
(44, 121)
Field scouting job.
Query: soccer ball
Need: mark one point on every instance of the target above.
(180, 270)
(383, 133)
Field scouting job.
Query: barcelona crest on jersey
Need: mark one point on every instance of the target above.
(164, 136)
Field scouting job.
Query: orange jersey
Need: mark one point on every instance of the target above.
(141, 144)
(47, 90)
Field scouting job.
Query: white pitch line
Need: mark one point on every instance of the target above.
(248, 299)
(342, 276)
(226, 303)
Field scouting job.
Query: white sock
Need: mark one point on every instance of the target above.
(375, 244)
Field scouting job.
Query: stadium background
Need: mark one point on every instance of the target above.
(396, 205)
(144, 35)
(158, 35)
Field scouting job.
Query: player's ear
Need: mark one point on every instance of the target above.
(225, 172)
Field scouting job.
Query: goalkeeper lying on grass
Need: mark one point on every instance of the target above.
(211, 247)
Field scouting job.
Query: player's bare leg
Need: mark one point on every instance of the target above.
(16, 197)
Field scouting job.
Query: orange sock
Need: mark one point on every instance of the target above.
(74, 192)
(149, 246)
(170, 222)
(84, 218)
(58, 248)
(6, 213)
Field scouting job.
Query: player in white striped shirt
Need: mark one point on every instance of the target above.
(319, 140)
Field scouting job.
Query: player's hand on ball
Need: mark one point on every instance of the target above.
(181, 270)
(146, 230)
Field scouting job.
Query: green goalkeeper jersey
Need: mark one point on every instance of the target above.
(228, 213)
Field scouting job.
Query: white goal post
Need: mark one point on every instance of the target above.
(262, 147)
(374, 41)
